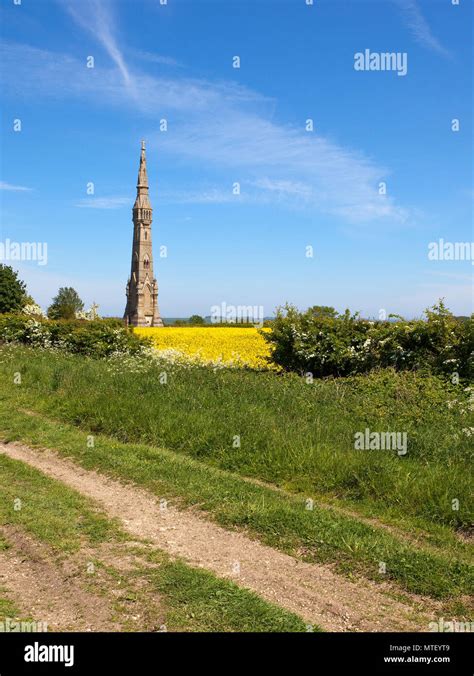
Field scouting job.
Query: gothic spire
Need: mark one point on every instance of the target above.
(142, 201)
(142, 175)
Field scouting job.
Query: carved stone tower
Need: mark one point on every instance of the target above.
(142, 287)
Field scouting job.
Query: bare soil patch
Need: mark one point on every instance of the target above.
(50, 591)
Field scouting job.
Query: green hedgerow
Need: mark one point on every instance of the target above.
(325, 343)
(98, 338)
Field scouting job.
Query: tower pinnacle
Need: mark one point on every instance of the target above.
(142, 173)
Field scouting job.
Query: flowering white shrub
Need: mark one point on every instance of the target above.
(325, 343)
(33, 310)
(37, 334)
(99, 338)
(89, 315)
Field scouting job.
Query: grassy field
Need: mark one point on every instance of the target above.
(191, 599)
(278, 429)
(293, 435)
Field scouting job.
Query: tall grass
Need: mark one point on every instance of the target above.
(276, 428)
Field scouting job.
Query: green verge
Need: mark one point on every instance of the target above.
(278, 519)
(198, 601)
(193, 599)
(50, 511)
(294, 435)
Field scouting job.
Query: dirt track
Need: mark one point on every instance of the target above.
(314, 592)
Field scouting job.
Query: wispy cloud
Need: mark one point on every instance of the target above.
(14, 188)
(151, 57)
(221, 125)
(285, 187)
(202, 195)
(420, 27)
(104, 202)
(286, 162)
(96, 17)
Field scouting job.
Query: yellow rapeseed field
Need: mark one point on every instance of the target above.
(237, 346)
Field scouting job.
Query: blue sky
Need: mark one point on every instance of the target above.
(225, 126)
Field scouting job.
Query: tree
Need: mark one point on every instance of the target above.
(65, 304)
(12, 290)
(196, 320)
(322, 311)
